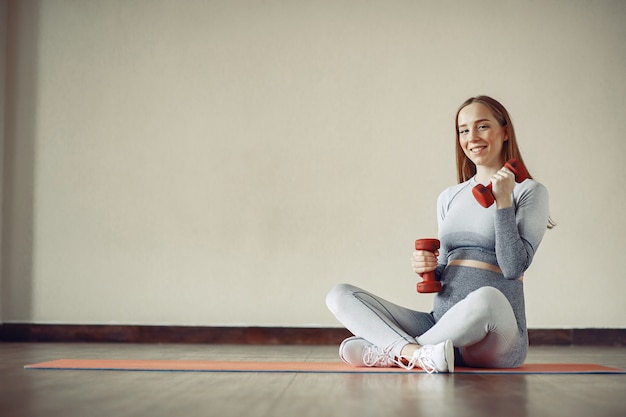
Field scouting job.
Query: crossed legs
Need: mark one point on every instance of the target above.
(482, 326)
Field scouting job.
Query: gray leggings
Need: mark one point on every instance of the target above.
(482, 326)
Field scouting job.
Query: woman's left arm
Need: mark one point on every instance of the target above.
(519, 229)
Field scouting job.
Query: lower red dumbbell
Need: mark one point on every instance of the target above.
(483, 193)
(429, 283)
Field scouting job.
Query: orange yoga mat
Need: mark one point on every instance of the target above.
(297, 367)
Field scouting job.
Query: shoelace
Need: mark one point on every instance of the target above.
(375, 356)
(423, 358)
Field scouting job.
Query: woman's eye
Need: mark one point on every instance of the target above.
(463, 131)
(483, 127)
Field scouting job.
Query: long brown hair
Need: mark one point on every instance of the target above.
(465, 167)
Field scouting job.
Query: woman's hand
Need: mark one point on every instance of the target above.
(502, 184)
(424, 261)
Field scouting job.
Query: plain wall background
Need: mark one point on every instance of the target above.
(227, 162)
(3, 56)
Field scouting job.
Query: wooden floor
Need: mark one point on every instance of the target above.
(31, 393)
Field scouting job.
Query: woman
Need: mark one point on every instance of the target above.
(478, 318)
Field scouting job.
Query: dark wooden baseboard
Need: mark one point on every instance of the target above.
(171, 334)
(24, 332)
(577, 337)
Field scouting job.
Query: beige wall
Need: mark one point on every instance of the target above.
(3, 55)
(225, 163)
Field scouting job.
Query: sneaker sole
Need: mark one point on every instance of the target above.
(449, 351)
(341, 346)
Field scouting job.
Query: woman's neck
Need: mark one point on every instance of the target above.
(484, 173)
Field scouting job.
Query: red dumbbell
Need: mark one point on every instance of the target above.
(429, 283)
(483, 193)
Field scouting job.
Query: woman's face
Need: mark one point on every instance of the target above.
(480, 135)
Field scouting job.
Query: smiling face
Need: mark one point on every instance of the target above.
(481, 137)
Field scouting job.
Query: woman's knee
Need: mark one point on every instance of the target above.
(336, 294)
(486, 302)
(487, 295)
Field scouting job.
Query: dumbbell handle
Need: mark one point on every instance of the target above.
(483, 193)
(429, 282)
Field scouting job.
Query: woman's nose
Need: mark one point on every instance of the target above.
(474, 134)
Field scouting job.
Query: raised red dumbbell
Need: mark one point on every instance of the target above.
(429, 283)
(483, 193)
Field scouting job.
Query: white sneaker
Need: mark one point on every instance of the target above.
(433, 358)
(359, 352)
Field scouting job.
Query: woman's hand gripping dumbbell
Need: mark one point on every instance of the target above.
(429, 282)
(483, 193)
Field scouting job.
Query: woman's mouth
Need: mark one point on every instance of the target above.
(477, 149)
